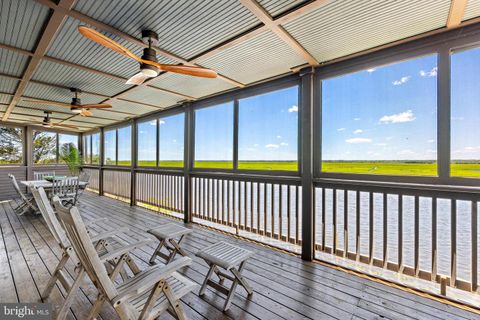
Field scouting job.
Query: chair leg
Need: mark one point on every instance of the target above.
(174, 303)
(230, 295)
(97, 306)
(53, 279)
(241, 279)
(207, 278)
(71, 295)
(157, 250)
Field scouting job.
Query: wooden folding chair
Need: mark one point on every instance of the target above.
(66, 189)
(37, 175)
(105, 243)
(27, 203)
(144, 296)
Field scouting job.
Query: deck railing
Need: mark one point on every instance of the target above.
(161, 191)
(427, 232)
(264, 206)
(419, 232)
(94, 182)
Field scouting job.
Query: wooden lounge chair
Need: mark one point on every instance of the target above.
(105, 244)
(40, 175)
(144, 296)
(27, 203)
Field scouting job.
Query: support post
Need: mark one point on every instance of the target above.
(307, 90)
(443, 121)
(102, 159)
(188, 162)
(133, 165)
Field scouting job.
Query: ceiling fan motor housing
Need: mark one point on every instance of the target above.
(149, 54)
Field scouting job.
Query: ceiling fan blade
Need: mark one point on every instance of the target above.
(86, 113)
(95, 106)
(137, 79)
(106, 42)
(64, 125)
(189, 70)
(49, 102)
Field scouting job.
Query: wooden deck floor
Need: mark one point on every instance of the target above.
(285, 286)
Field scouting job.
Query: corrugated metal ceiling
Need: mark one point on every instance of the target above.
(152, 96)
(130, 107)
(5, 98)
(8, 85)
(472, 10)
(22, 22)
(258, 58)
(67, 76)
(46, 92)
(184, 27)
(345, 27)
(277, 7)
(191, 86)
(12, 63)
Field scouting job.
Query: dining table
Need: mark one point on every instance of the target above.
(46, 184)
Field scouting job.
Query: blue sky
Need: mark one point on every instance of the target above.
(385, 113)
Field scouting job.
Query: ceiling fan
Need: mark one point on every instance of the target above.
(149, 66)
(47, 122)
(75, 106)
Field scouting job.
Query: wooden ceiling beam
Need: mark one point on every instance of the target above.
(456, 13)
(254, 7)
(47, 37)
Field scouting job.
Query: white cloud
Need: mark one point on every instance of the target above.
(381, 144)
(152, 122)
(431, 151)
(371, 70)
(431, 141)
(255, 145)
(401, 81)
(162, 122)
(356, 119)
(283, 144)
(358, 140)
(279, 137)
(405, 116)
(293, 108)
(174, 140)
(340, 129)
(431, 73)
(358, 131)
(272, 146)
(405, 152)
(458, 118)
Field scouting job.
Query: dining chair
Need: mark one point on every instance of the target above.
(66, 189)
(146, 295)
(40, 175)
(105, 243)
(84, 179)
(27, 203)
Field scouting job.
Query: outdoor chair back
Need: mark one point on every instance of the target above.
(66, 189)
(27, 203)
(39, 175)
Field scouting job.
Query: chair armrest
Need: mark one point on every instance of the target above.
(110, 255)
(147, 279)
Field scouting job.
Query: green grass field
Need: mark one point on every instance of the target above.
(411, 168)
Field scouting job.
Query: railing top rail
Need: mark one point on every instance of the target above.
(248, 177)
(433, 190)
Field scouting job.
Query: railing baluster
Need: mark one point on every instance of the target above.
(474, 231)
(357, 222)
(371, 222)
(334, 221)
(345, 222)
(280, 211)
(324, 215)
(265, 208)
(217, 196)
(297, 213)
(434, 239)
(258, 207)
(245, 202)
(417, 236)
(234, 186)
(385, 229)
(251, 207)
(400, 233)
(453, 249)
(223, 202)
(288, 213)
(272, 206)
